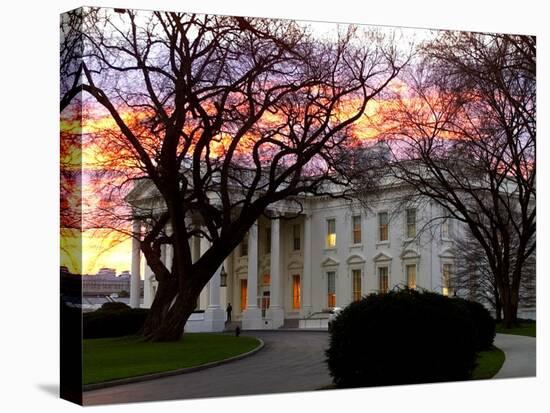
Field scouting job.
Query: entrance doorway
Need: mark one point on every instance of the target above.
(265, 301)
(244, 294)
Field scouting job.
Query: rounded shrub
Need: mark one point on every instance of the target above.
(124, 294)
(484, 323)
(114, 306)
(116, 322)
(401, 337)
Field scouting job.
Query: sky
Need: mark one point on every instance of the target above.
(106, 249)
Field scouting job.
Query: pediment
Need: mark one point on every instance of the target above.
(447, 253)
(329, 261)
(409, 253)
(382, 257)
(355, 259)
(295, 265)
(143, 190)
(241, 269)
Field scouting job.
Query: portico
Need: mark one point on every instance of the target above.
(266, 277)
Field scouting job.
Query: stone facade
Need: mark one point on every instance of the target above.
(301, 267)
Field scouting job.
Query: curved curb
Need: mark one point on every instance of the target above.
(152, 376)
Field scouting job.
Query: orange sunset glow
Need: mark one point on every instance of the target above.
(103, 148)
(99, 160)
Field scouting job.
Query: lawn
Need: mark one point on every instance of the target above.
(115, 358)
(525, 328)
(488, 363)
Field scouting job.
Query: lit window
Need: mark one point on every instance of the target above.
(383, 279)
(331, 233)
(411, 223)
(266, 279)
(296, 237)
(268, 240)
(243, 294)
(296, 292)
(411, 276)
(447, 279)
(244, 247)
(383, 226)
(331, 289)
(356, 228)
(356, 287)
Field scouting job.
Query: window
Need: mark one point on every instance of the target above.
(383, 279)
(411, 223)
(244, 247)
(244, 294)
(411, 276)
(356, 229)
(331, 233)
(296, 237)
(266, 279)
(356, 284)
(268, 240)
(383, 226)
(446, 290)
(296, 293)
(331, 289)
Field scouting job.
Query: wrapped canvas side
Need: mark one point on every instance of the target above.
(71, 206)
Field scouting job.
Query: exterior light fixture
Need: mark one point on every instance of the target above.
(223, 278)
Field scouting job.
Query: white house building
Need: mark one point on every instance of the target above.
(293, 271)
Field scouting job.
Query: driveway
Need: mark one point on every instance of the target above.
(289, 362)
(521, 360)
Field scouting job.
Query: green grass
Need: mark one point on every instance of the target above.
(116, 358)
(524, 329)
(488, 364)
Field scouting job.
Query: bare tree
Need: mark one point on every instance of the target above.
(464, 135)
(223, 117)
(472, 277)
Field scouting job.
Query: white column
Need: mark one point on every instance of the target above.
(199, 247)
(214, 292)
(276, 311)
(225, 291)
(135, 279)
(214, 316)
(149, 286)
(169, 252)
(252, 316)
(306, 276)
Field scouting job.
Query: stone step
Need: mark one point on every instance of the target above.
(291, 323)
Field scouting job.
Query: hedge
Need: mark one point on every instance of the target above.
(113, 320)
(401, 337)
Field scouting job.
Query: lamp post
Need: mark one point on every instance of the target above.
(223, 277)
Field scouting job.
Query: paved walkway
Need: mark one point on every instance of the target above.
(520, 353)
(290, 361)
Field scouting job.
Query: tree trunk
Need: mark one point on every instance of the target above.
(166, 292)
(498, 310)
(498, 306)
(170, 310)
(171, 326)
(509, 300)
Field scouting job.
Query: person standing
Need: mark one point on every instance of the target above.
(228, 311)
